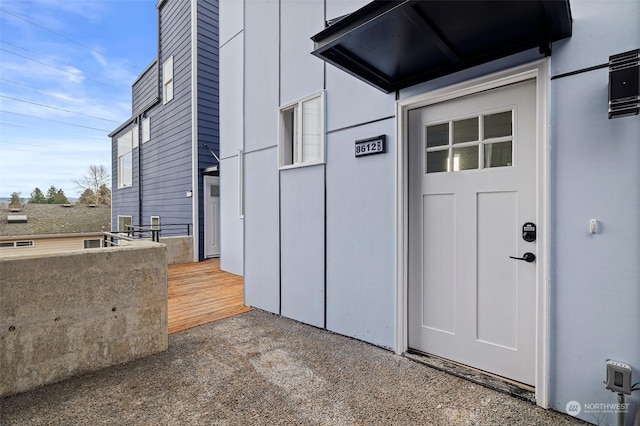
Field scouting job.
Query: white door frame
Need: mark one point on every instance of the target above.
(539, 71)
(207, 181)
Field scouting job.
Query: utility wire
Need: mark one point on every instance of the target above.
(56, 108)
(91, 49)
(61, 69)
(54, 121)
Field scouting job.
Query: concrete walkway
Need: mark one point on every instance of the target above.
(260, 369)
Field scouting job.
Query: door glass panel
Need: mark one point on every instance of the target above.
(498, 154)
(465, 158)
(496, 125)
(465, 130)
(438, 135)
(438, 161)
(215, 190)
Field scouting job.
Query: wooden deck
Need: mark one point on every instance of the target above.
(200, 293)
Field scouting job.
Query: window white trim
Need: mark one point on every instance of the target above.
(539, 71)
(17, 244)
(167, 80)
(93, 240)
(293, 144)
(121, 223)
(157, 224)
(145, 125)
(124, 150)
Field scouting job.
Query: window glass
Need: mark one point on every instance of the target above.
(125, 160)
(302, 133)
(123, 221)
(437, 135)
(88, 244)
(311, 131)
(214, 190)
(146, 129)
(155, 222)
(465, 158)
(498, 154)
(465, 130)
(167, 80)
(497, 125)
(437, 161)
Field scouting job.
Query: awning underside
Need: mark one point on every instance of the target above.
(396, 44)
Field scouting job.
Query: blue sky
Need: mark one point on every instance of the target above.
(71, 62)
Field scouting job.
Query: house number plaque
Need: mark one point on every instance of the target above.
(377, 145)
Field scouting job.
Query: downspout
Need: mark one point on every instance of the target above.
(195, 170)
(138, 125)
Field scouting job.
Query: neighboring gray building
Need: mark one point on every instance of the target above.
(379, 186)
(164, 171)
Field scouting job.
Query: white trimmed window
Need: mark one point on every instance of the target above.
(126, 143)
(301, 139)
(155, 222)
(12, 244)
(89, 244)
(123, 221)
(167, 80)
(146, 129)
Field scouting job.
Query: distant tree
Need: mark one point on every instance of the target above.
(37, 197)
(87, 197)
(105, 194)
(96, 177)
(16, 201)
(56, 196)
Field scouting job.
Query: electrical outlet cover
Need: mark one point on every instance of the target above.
(618, 377)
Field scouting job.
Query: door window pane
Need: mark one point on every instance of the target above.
(215, 190)
(498, 154)
(438, 135)
(465, 130)
(438, 161)
(496, 125)
(465, 158)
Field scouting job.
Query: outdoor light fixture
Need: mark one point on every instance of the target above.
(624, 84)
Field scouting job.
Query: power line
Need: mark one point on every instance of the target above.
(54, 121)
(91, 49)
(56, 108)
(60, 69)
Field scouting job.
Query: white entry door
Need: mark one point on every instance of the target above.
(212, 216)
(472, 187)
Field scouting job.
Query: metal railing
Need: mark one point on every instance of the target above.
(111, 239)
(134, 231)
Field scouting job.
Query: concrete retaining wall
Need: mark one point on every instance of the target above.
(65, 314)
(179, 249)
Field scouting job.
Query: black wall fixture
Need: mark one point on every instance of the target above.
(624, 84)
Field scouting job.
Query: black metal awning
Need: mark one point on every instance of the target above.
(396, 44)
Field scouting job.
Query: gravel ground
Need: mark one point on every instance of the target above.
(261, 369)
